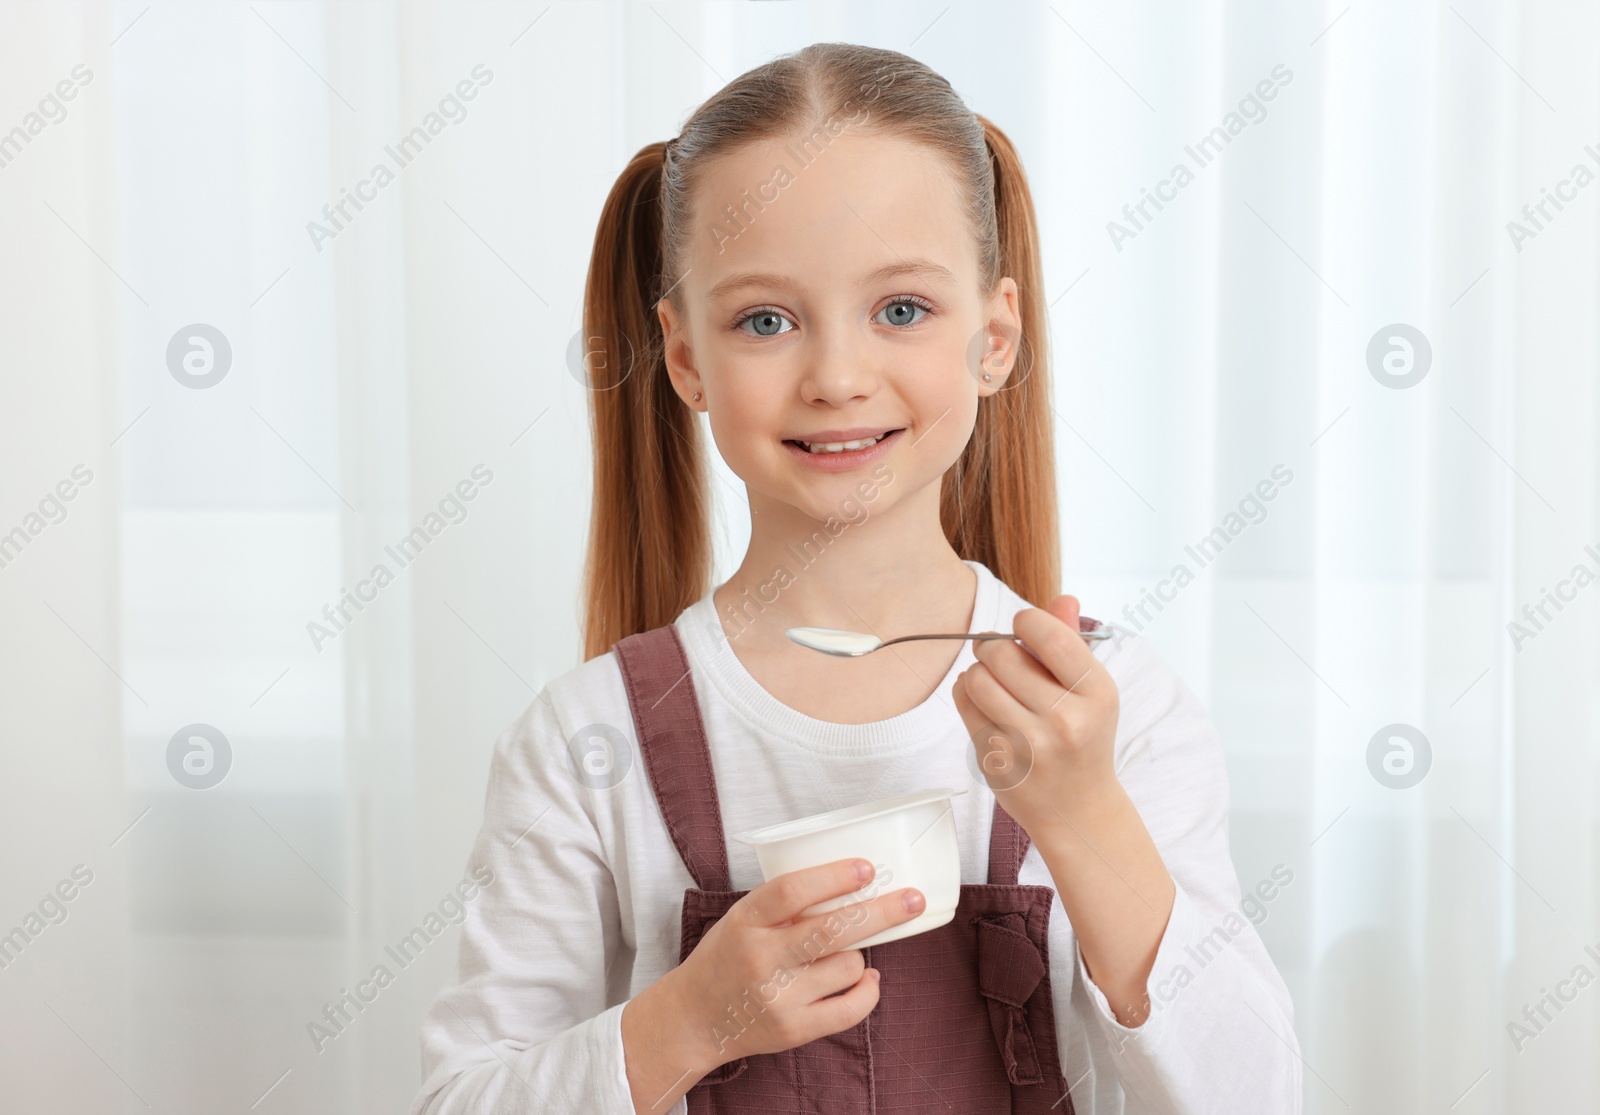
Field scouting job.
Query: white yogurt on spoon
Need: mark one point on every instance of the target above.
(830, 640)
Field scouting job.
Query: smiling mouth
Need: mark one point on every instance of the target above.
(820, 448)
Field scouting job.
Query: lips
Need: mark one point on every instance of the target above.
(843, 441)
(833, 450)
(833, 443)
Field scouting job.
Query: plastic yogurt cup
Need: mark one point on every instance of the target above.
(910, 840)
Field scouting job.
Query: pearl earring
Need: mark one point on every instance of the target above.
(697, 396)
(987, 377)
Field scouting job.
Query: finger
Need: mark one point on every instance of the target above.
(995, 702)
(832, 974)
(1066, 609)
(1022, 675)
(821, 934)
(829, 1016)
(780, 900)
(1001, 744)
(981, 724)
(1063, 652)
(974, 720)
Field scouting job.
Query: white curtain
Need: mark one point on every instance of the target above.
(1340, 300)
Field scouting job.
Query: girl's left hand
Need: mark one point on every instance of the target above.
(1044, 727)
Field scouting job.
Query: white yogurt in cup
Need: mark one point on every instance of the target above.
(910, 840)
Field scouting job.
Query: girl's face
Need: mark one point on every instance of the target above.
(843, 306)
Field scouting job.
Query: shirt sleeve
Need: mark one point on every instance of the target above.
(1220, 1033)
(526, 1026)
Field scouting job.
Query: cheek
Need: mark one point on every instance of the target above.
(745, 416)
(935, 380)
(948, 419)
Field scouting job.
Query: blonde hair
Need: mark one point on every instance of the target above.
(649, 553)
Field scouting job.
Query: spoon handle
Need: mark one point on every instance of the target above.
(1088, 636)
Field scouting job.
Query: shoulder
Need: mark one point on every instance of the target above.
(1149, 689)
(592, 688)
(580, 711)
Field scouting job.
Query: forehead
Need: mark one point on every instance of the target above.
(827, 217)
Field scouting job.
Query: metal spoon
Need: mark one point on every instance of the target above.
(853, 644)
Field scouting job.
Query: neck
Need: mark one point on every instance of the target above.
(888, 573)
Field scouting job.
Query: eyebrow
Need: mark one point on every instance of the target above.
(926, 268)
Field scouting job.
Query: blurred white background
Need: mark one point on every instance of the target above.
(1433, 899)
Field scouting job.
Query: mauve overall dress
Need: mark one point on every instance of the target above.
(964, 1022)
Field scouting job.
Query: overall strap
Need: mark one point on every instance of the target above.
(677, 756)
(1008, 843)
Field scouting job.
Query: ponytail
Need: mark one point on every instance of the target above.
(649, 553)
(998, 504)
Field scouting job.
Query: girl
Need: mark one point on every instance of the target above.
(837, 262)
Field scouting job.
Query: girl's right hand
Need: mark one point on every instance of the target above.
(766, 978)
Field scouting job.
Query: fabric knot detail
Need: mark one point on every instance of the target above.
(1009, 966)
(1009, 971)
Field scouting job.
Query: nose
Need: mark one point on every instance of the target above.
(838, 367)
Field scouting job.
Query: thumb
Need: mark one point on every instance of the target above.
(1065, 608)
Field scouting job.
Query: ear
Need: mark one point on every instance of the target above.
(1002, 332)
(680, 357)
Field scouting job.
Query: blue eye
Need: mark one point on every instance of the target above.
(902, 310)
(768, 322)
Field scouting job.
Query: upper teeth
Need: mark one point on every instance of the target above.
(841, 446)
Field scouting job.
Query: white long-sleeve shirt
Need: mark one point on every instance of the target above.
(584, 911)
